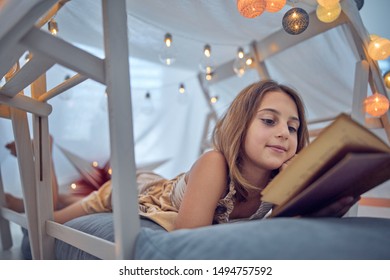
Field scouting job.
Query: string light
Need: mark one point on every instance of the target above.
(206, 64)
(53, 26)
(147, 106)
(167, 54)
(239, 64)
(386, 78)
(214, 99)
(379, 48)
(328, 14)
(376, 105)
(250, 8)
(295, 21)
(182, 89)
(327, 3)
(274, 6)
(209, 76)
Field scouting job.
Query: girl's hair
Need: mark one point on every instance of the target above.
(230, 131)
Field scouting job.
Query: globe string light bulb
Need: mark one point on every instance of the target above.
(274, 6)
(295, 21)
(327, 3)
(53, 26)
(182, 98)
(379, 48)
(251, 8)
(147, 105)
(167, 54)
(206, 64)
(386, 78)
(239, 64)
(328, 14)
(376, 105)
(182, 89)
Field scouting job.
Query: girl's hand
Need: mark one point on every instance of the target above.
(336, 209)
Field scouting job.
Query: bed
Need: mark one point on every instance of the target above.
(122, 234)
(352, 238)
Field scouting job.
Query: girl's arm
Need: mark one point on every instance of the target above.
(206, 184)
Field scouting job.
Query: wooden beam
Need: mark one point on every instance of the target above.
(27, 104)
(64, 86)
(31, 71)
(65, 54)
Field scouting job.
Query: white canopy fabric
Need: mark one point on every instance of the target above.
(321, 68)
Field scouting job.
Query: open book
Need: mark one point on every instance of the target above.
(346, 159)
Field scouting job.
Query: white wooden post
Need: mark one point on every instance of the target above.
(5, 231)
(27, 176)
(117, 76)
(360, 91)
(43, 173)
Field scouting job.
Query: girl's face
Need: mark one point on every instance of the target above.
(272, 135)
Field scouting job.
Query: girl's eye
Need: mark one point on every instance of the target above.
(268, 122)
(292, 129)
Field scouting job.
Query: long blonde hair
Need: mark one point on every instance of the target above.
(230, 131)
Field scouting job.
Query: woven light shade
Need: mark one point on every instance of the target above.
(250, 8)
(379, 48)
(386, 79)
(328, 14)
(327, 3)
(274, 6)
(295, 21)
(376, 105)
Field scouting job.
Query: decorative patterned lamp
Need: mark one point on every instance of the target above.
(250, 8)
(274, 6)
(376, 105)
(386, 78)
(295, 21)
(327, 3)
(379, 48)
(328, 14)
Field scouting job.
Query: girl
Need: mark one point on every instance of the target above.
(264, 127)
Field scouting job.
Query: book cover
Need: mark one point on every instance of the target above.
(345, 159)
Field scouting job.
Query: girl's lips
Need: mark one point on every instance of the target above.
(278, 149)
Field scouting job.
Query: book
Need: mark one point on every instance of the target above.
(346, 159)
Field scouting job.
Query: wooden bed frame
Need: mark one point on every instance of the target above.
(20, 33)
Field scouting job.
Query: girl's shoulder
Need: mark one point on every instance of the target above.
(211, 162)
(213, 157)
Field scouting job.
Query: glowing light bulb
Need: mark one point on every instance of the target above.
(167, 54)
(53, 27)
(376, 105)
(214, 99)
